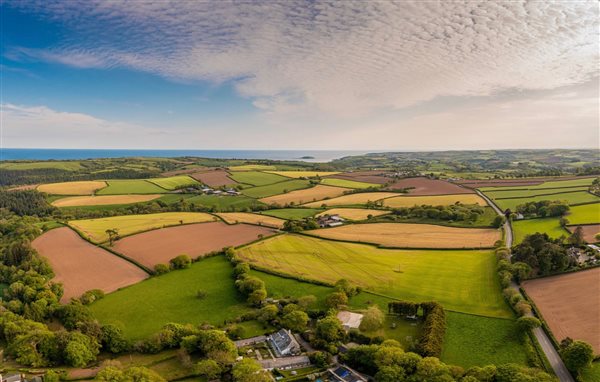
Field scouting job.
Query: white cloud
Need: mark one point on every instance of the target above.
(342, 58)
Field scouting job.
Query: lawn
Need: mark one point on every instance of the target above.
(174, 182)
(72, 188)
(223, 203)
(303, 174)
(551, 226)
(257, 178)
(348, 183)
(292, 213)
(433, 200)
(276, 188)
(577, 197)
(95, 229)
(585, 214)
(462, 280)
(477, 341)
(130, 186)
(59, 165)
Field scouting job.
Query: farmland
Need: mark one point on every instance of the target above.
(72, 188)
(276, 188)
(214, 178)
(363, 176)
(59, 165)
(292, 213)
(253, 167)
(547, 185)
(586, 214)
(569, 304)
(347, 183)
(222, 203)
(400, 235)
(353, 199)
(133, 186)
(354, 213)
(532, 193)
(81, 266)
(95, 229)
(174, 182)
(256, 178)
(317, 192)
(463, 281)
(433, 200)
(426, 186)
(161, 245)
(576, 197)
(76, 201)
(551, 226)
(589, 232)
(303, 174)
(244, 217)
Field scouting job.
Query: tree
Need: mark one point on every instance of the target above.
(113, 340)
(526, 324)
(345, 286)
(330, 329)
(373, 319)
(180, 262)
(576, 237)
(248, 370)
(577, 355)
(390, 374)
(336, 299)
(498, 221)
(257, 297)
(208, 368)
(305, 302)
(113, 235)
(295, 321)
(268, 313)
(161, 269)
(80, 349)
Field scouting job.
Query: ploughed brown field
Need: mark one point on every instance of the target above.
(363, 176)
(161, 245)
(426, 186)
(570, 305)
(589, 232)
(81, 266)
(213, 178)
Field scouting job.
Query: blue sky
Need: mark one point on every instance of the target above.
(299, 75)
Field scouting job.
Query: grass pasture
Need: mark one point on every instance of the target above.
(276, 188)
(174, 182)
(354, 213)
(549, 185)
(257, 178)
(551, 226)
(461, 280)
(292, 213)
(59, 165)
(347, 183)
(104, 200)
(585, 214)
(401, 235)
(521, 193)
(72, 188)
(433, 200)
(571, 198)
(303, 174)
(130, 186)
(223, 203)
(353, 199)
(318, 192)
(245, 217)
(95, 229)
(253, 167)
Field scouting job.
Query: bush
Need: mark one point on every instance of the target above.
(200, 294)
(336, 299)
(180, 262)
(161, 269)
(91, 296)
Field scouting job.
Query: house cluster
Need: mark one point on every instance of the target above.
(329, 221)
(579, 255)
(211, 191)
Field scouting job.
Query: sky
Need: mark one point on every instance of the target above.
(380, 75)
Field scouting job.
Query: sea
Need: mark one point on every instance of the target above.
(69, 154)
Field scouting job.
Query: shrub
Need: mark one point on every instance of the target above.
(161, 269)
(180, 262)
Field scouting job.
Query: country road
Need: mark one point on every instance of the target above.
(556, 362)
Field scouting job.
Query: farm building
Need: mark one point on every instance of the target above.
(350, 320)
(330, 221)
(284, 343)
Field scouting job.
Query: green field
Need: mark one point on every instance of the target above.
(546, 185)
(253, 167)
(532, 193)
(59, 165)
(477, 341)
(347, 183)
(591, 374)
(223, 203)
(174, 182)
(293, 213)
(586, 214)
(95, 229)
(133, 186)
(551, 226)
(257, 178)
(275, 189)
(462, 280)
(578, 197)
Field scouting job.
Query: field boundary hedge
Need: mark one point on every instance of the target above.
(539, 315)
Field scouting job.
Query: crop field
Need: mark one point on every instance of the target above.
(347, 183)
(223, 203)
(161, 245)
(318, 192)
(569, 303)
(303, 174)
(433, 200)
(478, 341)
(76, 201)
(245, 217)
(364, 176)
(461, 280)
(353, 199)
(589, 232)
(426, 186)
(59, 165)
(253, 167)
(174, 182)
(551, 184)
(401, 235)
(577, 197)
(551, 226)
(276, 188)
(72, 188)
(81, 266)
(532, 193)
(354, 213)
(292, 213)
(95, 229)
(257, 178)
(214, 178)
(586, 214)
(130, 186)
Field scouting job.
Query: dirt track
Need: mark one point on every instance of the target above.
(81, 266)
(161, 245)
(426, 186)
(570, 305)
(213, 178)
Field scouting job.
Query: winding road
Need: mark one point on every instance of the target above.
(556, 362)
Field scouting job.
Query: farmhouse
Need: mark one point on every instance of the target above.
(284, 343)
(330, 221)
(350, 320)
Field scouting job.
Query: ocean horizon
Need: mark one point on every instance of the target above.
(75, 154)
